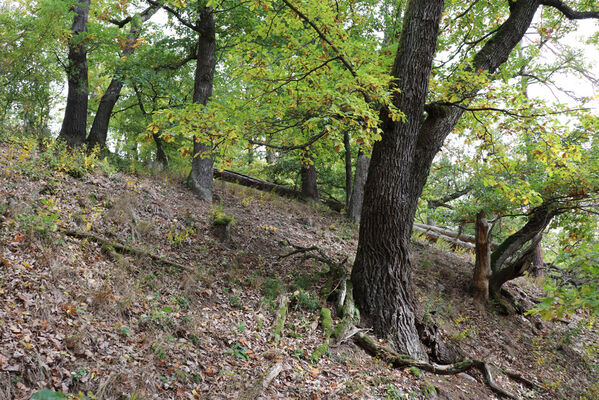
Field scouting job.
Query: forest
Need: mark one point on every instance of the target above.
(333, 199)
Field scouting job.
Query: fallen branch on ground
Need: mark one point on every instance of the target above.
(121, 248)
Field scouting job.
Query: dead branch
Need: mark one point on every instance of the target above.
(124, 249)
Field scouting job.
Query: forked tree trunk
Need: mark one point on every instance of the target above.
(73, 128)
(308, 178)
(201, 178)
(401, 163)
(357, 196)
(381, 274)
(482, 266)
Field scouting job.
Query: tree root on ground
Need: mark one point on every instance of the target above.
(346, 329)
(120, 248)
(261, 383)
(403, 361)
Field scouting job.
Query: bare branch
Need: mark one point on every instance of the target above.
(569, 12)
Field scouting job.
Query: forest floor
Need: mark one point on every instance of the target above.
(195, 319)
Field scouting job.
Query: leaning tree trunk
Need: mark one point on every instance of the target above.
(308, 178)
(381, 274)
(505, 270)
(482, 266)
(201, 178)
(99, 130)
(401, 163)
(357, 196)
(537, 268)
(73, 128)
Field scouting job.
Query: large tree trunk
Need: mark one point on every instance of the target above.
(308, 178)
(201, 165)
(73, 128)
(482, 266)
(401, 163)
(357, 196)
(99, 130)
(381, 274)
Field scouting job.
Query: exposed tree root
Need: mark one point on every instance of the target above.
(261, 383)
(120, 248)
(349, 315)
(403, 361)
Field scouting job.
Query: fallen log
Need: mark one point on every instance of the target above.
(447, 232)
(434, 236)
(265, 186)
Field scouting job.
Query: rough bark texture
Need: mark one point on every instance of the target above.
(308, 178)
(381, 275)
(482, 265)
(73, 128)
(357, 196)
(537, 268)
(401, 163)
(202, 162)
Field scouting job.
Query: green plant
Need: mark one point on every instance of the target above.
(271, 287)
(239, 351)
(220, 218)
(306, 300)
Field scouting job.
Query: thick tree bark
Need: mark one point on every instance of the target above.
(201, 178)
(357, 196)
(401, 163)
(381, 274)
(308, 178)
(99, 130)
(73, 128)
(348, 170)
(482, 266)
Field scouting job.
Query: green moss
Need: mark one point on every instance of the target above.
(280, 322)
(326, 322)
(319, 352)
(415, 371)
(341, 327)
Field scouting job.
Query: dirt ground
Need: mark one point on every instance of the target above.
(176, 314)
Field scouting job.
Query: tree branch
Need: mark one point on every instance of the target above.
(321, 34)
(569, 12)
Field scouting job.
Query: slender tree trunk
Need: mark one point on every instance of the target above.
(482, 265)
(99, 130)
(381, 274)
(357, 196)
(161, 156)
(201, 178)
(348, 170)
(308, 178)
(73, 129)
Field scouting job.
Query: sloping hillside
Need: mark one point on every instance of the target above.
(116, 286)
